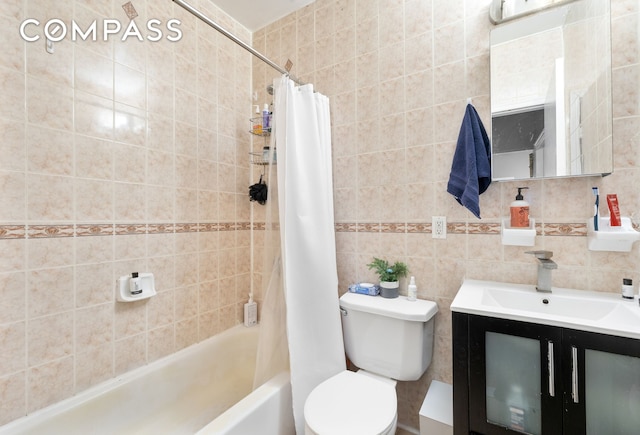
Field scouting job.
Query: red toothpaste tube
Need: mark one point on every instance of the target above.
(614, 210)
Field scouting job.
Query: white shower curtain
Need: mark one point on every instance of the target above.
(303, 141)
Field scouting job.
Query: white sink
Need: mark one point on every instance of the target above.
(607, 313)
(548, 303)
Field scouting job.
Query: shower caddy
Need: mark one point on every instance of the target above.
(256, 129)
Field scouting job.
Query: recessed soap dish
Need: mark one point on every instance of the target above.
(608, 238)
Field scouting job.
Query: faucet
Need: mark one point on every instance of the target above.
(545, 266)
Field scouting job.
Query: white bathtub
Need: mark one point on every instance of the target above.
(203, 386)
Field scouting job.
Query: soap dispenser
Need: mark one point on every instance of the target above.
(520, 211)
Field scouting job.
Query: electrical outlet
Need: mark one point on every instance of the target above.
(439, 227)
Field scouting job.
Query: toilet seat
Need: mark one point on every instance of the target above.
(351, 403)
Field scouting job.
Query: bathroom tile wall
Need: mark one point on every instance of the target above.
(398, 73)
(117, 157)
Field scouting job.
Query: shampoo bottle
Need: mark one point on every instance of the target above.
(412, 290)
(520, 211)
(265, 119)
(135, 286)
(250, 312)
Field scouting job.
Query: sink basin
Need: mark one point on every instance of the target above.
(606, 313)
(550, 304)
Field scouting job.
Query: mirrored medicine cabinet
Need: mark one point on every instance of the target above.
(551, 104)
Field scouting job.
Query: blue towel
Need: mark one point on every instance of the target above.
(471, 167)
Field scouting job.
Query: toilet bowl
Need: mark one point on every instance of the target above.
(389, 340)
(351, 403)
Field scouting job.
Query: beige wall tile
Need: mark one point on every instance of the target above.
(15, 47)
(49, 383)
(94, 366)
(93, 327)
(50, 291)
(48, 105)
(131, 320)
(12, 397)
(93, 73)
(94, 284)
(130, 353)
(93, 115)
(12, 199)
(12, 85)
(56, 68)
(49, 338)
(49, 151)
(12, 145)
(13, 293)
(161, 342)
(186, 332)
(94, 201)
(130, 124)
(94, 158)
(14, 348)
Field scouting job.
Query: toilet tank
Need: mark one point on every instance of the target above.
(389, 337)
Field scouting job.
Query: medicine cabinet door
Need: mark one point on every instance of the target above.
(514, 377)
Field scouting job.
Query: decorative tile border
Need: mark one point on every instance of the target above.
(161, 228)
(346, 227)
(393, 228)
(482, 228)
(491, 228)
(48, 231)
(124, 229)
(456, 228)
(94, 230)
(226, 226)
(419, 228)
(243, 226)
(565, 229)
(186, 228)
(11, 232)
(367, 227)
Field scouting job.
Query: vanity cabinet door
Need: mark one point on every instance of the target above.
(603, 376)
(514, 377)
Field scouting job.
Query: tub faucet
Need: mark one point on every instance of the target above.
(545, 266)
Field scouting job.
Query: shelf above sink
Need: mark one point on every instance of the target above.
(606, 313)
(518, 236)
(608, 238)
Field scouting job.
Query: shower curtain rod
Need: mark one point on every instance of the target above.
(235, 39)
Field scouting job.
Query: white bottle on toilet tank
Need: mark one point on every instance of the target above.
(412, 290)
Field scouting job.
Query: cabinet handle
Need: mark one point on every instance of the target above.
(574, 374)
(552, 389)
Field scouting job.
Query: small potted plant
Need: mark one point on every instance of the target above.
(389, 275)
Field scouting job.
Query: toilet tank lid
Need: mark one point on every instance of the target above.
(399, 308)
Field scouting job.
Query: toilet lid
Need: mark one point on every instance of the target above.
(350, 403)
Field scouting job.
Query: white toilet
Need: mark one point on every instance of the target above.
(389, 340)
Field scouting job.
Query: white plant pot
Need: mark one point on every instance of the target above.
(389, 289)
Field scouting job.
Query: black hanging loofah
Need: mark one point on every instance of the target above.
(258, 192)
